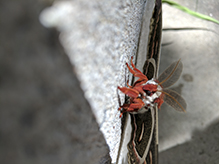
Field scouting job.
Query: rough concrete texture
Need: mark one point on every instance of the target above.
(191, 137)
(99, 38)
(44, 116)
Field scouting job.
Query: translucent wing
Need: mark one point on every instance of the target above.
(174, 100)
(171, 74)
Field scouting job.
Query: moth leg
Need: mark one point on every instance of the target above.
(136, 72)
(159, 102)
(134, 106)
(129, 92)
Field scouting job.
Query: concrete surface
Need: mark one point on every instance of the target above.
(191, 137)
(99, 38)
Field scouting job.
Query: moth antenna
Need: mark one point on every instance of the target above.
(170, 73)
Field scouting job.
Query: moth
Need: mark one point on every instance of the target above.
(144, 94)
(139, 138)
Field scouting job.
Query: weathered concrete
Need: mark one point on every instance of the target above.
(99, 38)
(191, 137)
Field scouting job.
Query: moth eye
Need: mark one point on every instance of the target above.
(149, 93)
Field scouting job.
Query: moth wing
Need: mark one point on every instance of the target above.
(174, 100)
(171, 74)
